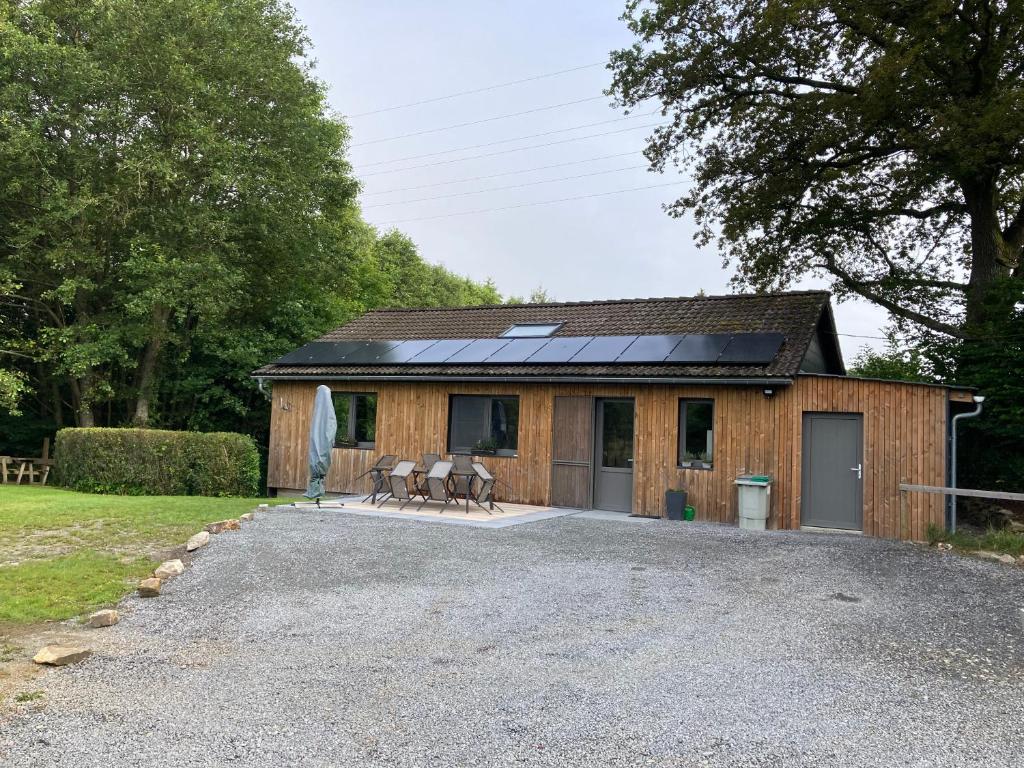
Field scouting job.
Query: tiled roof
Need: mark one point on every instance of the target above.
(793, 314)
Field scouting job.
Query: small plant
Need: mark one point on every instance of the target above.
(487, 445)
(9, 651)
(27, 696)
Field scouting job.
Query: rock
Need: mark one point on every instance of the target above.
(944, 546)
(169, 569)
(105, 618)
(247, 517)
(201, 539)
(60, 655)
(1008, 559)
(1016, 526)
(224, 525)
(149, 587)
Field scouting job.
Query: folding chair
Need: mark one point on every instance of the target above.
(398, 484)
(437, 484)
(484, 494)
(463, 483)
(429, 460)
(378, 475)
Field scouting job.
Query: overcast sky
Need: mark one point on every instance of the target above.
(378, 55)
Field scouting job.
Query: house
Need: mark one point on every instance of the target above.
(608, 404)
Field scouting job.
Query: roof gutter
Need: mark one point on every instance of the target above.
(761, 381)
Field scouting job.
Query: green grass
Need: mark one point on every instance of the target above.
(992, 540)
(75, 552)
(28, 696)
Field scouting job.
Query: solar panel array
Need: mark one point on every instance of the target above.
(707, 349)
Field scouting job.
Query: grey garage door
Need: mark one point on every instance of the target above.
(832, 470)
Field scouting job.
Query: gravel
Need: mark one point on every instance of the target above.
(316, 639)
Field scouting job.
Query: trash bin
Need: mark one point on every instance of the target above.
(754, 495)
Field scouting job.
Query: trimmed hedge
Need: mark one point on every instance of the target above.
(144, 462)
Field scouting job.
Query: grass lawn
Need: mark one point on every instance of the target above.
(63, 553)
(991, 541)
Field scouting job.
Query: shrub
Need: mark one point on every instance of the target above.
(157, 462)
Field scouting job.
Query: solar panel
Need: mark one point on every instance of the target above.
(603, 349)
(405, 351)
(320, 353)
(559, 349)
(369, 353)
(649, 349)
(699, 348)
(440, 351)
(752, 348)
(477, 351)
(516, 351)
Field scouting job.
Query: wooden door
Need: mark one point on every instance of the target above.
(572, 443)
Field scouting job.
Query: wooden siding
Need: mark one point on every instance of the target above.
(904, 440)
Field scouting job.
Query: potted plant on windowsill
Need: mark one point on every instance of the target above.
(675, 503)
(700, 460)
(488, 447)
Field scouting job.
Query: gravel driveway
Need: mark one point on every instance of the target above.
(328, 639)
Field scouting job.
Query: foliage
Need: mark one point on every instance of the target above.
(992, 540)
(157, 462)
(878, 144)
(894, 363)
(176, 209)
(537, 296)
(76, 552)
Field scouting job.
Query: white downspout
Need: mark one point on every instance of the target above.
(978, 400)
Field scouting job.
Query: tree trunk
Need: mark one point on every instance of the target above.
(989, 252)
(147, 366)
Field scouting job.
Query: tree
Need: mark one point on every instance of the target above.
(893, 364)
(161, 162)
(879, 144)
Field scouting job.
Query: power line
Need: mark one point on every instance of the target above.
(508, 151)
(497, 175)
(499, 189)
(479, 122)
(528, 205)
(479, 90)
(507, 141)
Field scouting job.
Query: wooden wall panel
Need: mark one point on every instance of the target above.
(904, 439)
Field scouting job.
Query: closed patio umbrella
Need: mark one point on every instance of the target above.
(323, 428)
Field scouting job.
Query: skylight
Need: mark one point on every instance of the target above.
(531, 330)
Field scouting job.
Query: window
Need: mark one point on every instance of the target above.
(531, 330)
(483, 425)
(357, 419)
(696, 432)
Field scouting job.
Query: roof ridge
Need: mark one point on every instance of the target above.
(598, 302)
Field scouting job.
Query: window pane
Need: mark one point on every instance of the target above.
(469, 425)
(697, 430)
(530, 331)
(505, 422)
(617, 434)
(479, 423)
(366, 418)
(342, 402)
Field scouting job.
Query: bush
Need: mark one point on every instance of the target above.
(157, 462)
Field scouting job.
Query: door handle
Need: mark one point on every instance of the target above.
(859, 470)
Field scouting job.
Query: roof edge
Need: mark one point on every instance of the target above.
(576, 379)
(600, 302)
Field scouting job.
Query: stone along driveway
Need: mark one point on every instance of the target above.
(329, 639)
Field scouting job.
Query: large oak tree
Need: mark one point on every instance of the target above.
(879, 143)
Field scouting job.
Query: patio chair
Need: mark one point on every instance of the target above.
(463, 483)
(429, 460)
(485, 493)
(437, 484)
(398, 484)
(378, 475)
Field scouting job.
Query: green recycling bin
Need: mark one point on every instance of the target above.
(689, 513)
